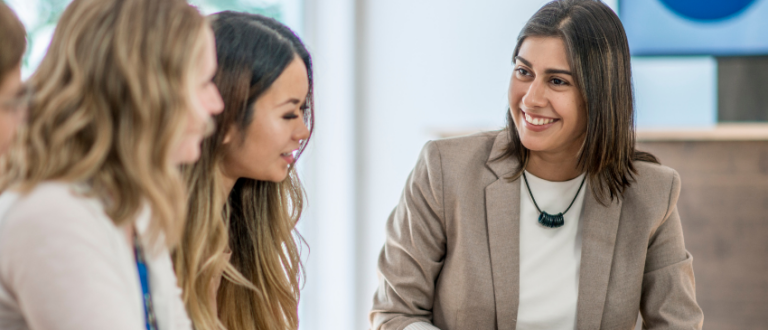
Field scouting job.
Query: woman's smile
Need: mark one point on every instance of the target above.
(289, 156)
(537, 123)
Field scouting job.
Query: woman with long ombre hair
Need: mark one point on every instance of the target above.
(122, 98)
(245, 196)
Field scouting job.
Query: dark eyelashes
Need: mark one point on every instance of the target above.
(556, 81)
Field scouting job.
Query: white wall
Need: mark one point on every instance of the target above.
(429, 66)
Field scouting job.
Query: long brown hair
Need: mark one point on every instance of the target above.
(110, 102)
(260, 284)
(598, 54)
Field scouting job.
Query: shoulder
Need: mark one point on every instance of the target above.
(462, 151)
(52, 209)
(656, 186)
(655, 176)
(463, 146)
(52, 200)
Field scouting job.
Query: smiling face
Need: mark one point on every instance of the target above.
(268, 145)
(545, 103)
(204, 102)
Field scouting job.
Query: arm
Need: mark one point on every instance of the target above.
(414, 251)
(56, 261)
(669, 290)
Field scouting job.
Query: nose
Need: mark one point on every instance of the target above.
(216, 103)
(301, 132)
(535, 96)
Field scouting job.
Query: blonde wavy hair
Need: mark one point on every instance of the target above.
(260, 284)
(109, 104)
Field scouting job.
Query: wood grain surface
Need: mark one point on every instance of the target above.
(724, 209)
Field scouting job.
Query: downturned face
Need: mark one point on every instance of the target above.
(545, 103)
(205, 101)
(268, 146)
(12, 108)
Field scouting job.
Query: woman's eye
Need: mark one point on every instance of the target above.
(522, 71)
(558, 81)
(290, 116)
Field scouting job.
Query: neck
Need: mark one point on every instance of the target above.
(553, 166)
(227, 183)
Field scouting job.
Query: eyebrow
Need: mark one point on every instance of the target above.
(547, 71)
(292, 100)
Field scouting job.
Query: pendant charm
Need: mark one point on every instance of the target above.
(551, 221)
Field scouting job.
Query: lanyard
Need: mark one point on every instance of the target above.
(141, 265)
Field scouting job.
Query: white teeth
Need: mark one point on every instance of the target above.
(538, 121)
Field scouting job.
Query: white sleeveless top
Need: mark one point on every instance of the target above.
(64, 265)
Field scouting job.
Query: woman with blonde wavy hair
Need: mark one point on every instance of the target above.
(245, 196)
(123, 97)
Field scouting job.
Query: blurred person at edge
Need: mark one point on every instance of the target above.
(12, 105)
(464, 248)
(238, 261)
(122, 98)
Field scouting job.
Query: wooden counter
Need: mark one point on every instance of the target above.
(724, 209)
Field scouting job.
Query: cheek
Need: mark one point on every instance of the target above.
(7, 131)
(573, 114)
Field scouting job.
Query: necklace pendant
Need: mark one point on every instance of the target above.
(551, 221)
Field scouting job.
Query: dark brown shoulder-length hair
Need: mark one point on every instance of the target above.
(259, 288)
(598, 54)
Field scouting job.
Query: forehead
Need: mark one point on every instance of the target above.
(293, 81)
(208, 50)
(545, 53)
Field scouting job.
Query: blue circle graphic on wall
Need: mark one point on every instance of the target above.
(707, 10)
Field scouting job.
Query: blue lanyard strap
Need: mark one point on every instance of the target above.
(141, 265)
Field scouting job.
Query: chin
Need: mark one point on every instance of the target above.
(279, 175)
(534, 144)
(187, 155)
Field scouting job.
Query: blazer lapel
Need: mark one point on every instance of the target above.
(502, 203)
(600, 224)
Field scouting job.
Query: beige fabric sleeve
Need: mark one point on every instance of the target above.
(413, 252)
(421, 326)
(59, 265)
(669, 290)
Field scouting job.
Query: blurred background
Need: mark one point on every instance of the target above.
(393, 74)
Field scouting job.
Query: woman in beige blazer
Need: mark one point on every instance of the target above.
(464, 249)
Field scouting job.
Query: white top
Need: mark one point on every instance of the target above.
(549, 257)
(64, 265)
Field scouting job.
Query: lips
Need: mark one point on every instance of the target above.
(537, 123)
(288, 156)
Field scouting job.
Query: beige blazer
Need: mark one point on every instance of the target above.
(451, 255)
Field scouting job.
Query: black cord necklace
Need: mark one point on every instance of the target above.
(549, 220)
